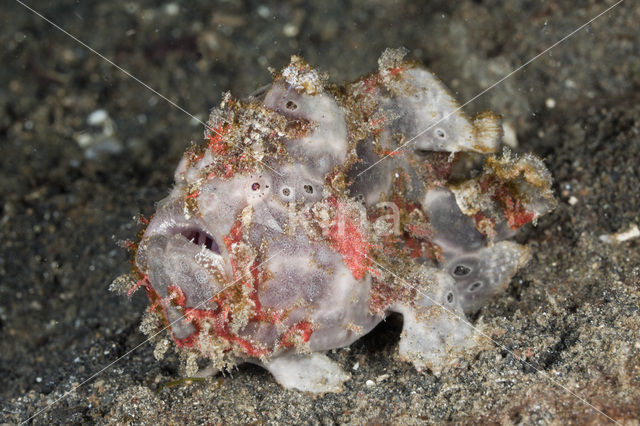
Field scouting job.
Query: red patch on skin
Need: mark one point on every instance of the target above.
(516, 214)
(176, 295)
(512, 208)
(478, 218)
(486, 183)
(419, 231)
(371, 83)
(303, 329)
(129, 245)
(438, 167)
(220, 318)
(382, 296)
(187, 342)
(228, 171)
(155, 304)
(346, 237)
(375, 123)
(195, 194)
(221, 328)
(412, 248)
(142, 282)
(194, 158)
(415, 239)
(216, 143)
(396, 70)
(234, 236)
(374, 271)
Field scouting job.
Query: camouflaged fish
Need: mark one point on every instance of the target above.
(310, 211)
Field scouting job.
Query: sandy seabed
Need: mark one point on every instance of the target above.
(69, 191)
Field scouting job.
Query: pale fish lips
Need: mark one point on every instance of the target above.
(186, 257)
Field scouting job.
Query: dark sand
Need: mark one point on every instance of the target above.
(69, 191)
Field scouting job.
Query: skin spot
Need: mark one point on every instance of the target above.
(291, 106)
(461, 271)
(475, 286)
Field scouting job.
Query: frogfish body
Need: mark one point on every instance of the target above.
(310, 211)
